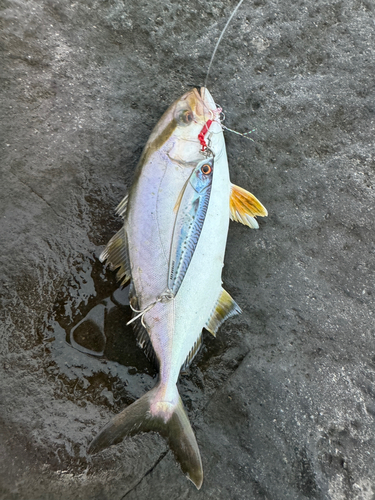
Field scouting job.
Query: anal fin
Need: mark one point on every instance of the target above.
(116, 253)
(225, 307)
(144, 341)
(244, 207)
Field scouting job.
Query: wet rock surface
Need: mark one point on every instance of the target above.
(283, 400)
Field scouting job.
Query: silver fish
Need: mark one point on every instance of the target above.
(171, 248)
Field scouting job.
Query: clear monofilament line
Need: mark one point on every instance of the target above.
(219, 40)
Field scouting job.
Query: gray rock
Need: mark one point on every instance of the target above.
(283, 400)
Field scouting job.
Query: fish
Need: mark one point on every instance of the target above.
(171, 249)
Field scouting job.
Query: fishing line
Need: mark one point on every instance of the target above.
(219, 40)
(221, 119)
(245, 134)
(141, 314)
(164, 297)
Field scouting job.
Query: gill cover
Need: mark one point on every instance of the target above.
(192, 208)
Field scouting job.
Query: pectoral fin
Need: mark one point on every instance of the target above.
(225, 307)
(244, 207)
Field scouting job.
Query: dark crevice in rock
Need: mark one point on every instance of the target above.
(146, 474)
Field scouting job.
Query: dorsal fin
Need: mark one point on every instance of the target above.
(225, 307)
(193, 352)
(116, 252)
(144, 341)
(244, 207)
(123, 205)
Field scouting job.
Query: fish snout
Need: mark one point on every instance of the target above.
(207, 99)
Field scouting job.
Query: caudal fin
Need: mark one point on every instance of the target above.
(173, 425)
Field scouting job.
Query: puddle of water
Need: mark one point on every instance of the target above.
(88, 335)
(93, 311)
(92, 350)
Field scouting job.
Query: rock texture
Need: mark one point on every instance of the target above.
(283, 401)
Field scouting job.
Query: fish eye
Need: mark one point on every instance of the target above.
(206, 169)
(186, 116)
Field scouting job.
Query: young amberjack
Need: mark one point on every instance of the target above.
(171, 248)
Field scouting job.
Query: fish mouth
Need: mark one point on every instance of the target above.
(207, 98)
(204, 104)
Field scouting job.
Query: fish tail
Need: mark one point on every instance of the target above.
(168, 419)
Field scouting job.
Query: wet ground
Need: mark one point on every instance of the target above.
(283, 400)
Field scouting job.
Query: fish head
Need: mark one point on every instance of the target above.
(178, 129)
(195, 107)
(196, 112)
